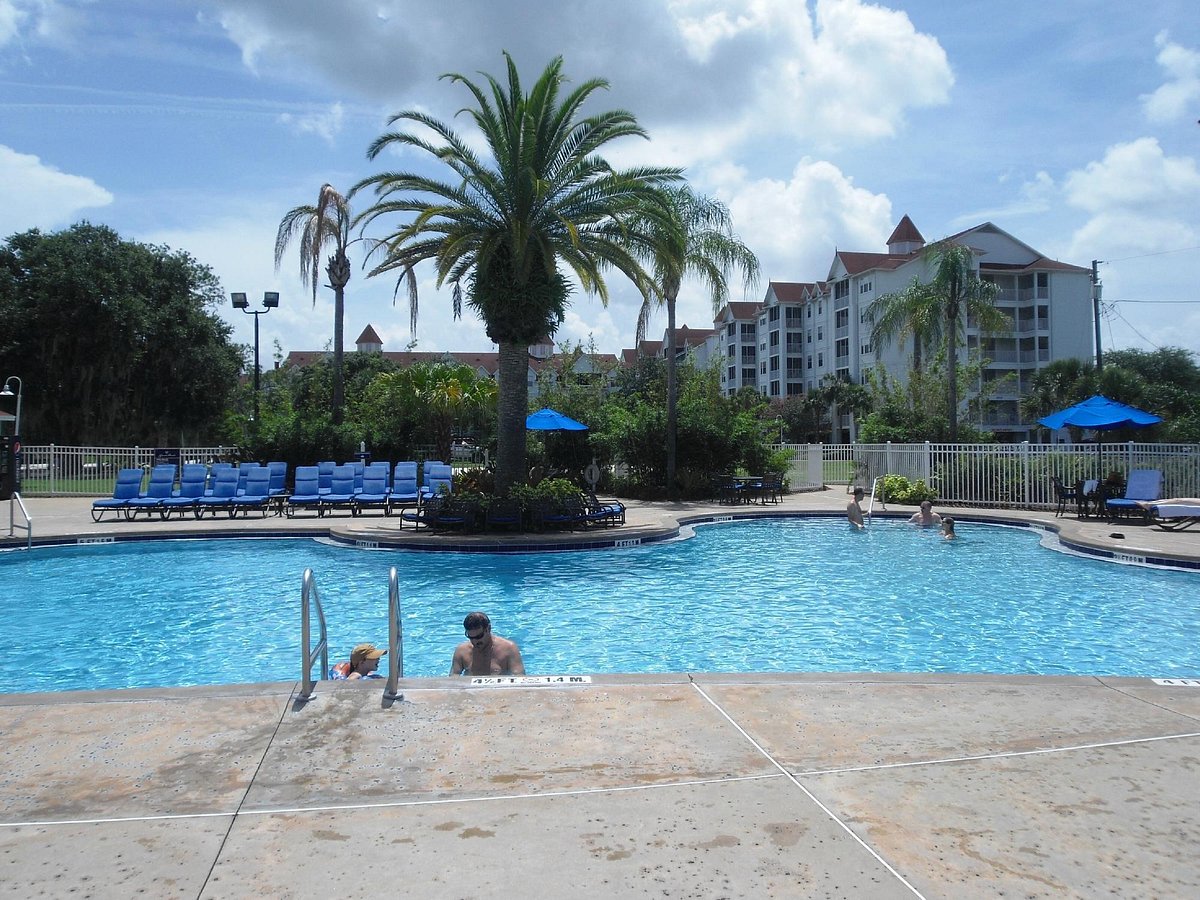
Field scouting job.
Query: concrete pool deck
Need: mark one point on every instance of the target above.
(688, 785)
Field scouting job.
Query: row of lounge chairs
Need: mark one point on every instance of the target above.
(325, 488)
(375, 486)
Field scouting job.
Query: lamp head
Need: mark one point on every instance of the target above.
(270, 299)
(240, 301)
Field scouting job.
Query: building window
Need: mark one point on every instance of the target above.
(841, 318)
(762, 367)
(774, 363)
(820, 333)
(865, 348)
(749, 332)
(841, 289)
(748, 376)
(732, 375)
(810, 335)
(733, 350)
(810, 362)
(820, 360)
(809, 309)
(774, 338)
(774, 388)
(864, 287)
(773, 314)
(731, 329)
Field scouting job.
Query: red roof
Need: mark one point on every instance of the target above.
(369, 337)
(906, 232)
(862, 262)
(791, 291)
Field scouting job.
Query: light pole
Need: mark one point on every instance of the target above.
(779, 422)
(270, 301)
(7, 392)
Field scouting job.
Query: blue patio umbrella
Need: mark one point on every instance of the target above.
(1100, 414)
(551, 420)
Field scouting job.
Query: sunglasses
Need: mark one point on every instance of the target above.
(476, 637)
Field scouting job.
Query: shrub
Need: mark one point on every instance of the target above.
(898, 489)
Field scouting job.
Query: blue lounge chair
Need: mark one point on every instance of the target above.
(404, 491)
(306, 492)
(325, 476)
(212, 475)
(244, 469)
(341, 492)
(278, 477)
(438, 480)
(604, 512)
(1143, 485)
(127, 487)
(359, 468)
(255, 495)
(223, 493)
(162, 483)
(192, 484)
(374, 491)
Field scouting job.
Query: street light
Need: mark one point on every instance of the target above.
(7, 392)
(270, 301)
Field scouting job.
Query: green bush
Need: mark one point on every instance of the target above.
(898, 489)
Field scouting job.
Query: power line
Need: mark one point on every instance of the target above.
(1167, 302)
(1145, 255)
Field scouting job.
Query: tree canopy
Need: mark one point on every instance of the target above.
(116, 342)
(541, 196)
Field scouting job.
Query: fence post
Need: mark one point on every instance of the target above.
(927, 464)
(52, 465)
(1025, 485)
(887, 458)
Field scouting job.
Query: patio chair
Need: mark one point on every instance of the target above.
(325, 475)
(159, 488)
(772, 488)
(278, 477)
(502, 512)
(359, 468)
(341, 492)
(425, 514)
(374, 492)
(212, 475)
(1177, 514)
(126, 488)
(439, 476)
(224, 491)
(255, 495)
(1062, 495)
(604, 512)
(192, 484)
(305, 493)
(244, 469)
(1143, 485)
(404, 491)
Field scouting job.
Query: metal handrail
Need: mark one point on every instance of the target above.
(14, 502)
(871, 502)
(395, 639)
(309, 654)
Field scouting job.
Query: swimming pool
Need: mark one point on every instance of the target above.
(772, 595)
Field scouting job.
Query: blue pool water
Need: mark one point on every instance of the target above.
(759, 596)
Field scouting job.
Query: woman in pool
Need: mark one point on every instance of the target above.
(364, 660)
(948, 529)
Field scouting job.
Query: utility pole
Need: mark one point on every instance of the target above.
(1096, 312)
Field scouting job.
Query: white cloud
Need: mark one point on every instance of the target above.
(10, 20)
(1172, 100)
(36, 195)
(1137, 178)
(325, 125)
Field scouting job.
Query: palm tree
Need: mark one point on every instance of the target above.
(504, 223)
(687, 235)
(932, 312)
(326, 224)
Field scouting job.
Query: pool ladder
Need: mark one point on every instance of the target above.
(871, 502)
(310, 598)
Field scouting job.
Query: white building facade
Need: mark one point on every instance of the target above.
(805, 331)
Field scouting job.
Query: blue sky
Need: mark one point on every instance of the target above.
(1072, 125)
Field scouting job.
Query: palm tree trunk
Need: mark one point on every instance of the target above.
(338, 271)
(672, 399)
(512, 408)
(339, 390)
(952, 361)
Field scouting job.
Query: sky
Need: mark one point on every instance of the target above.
(1072, 125)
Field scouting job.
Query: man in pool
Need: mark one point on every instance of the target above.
(484, 653)
(854, 508)
(925, 516)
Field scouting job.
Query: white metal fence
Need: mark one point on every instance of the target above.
(1010, 475)
(55, 471)
(991, 475)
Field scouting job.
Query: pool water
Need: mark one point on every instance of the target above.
(760, 596)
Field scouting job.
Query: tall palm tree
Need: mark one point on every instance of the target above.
(325, 225)
(686, 235)
(504, 222)
(933, 311)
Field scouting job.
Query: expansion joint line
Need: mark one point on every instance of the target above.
(246, 793)
(792, 778)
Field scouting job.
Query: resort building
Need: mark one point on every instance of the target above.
(805, 331)
(542, 360)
